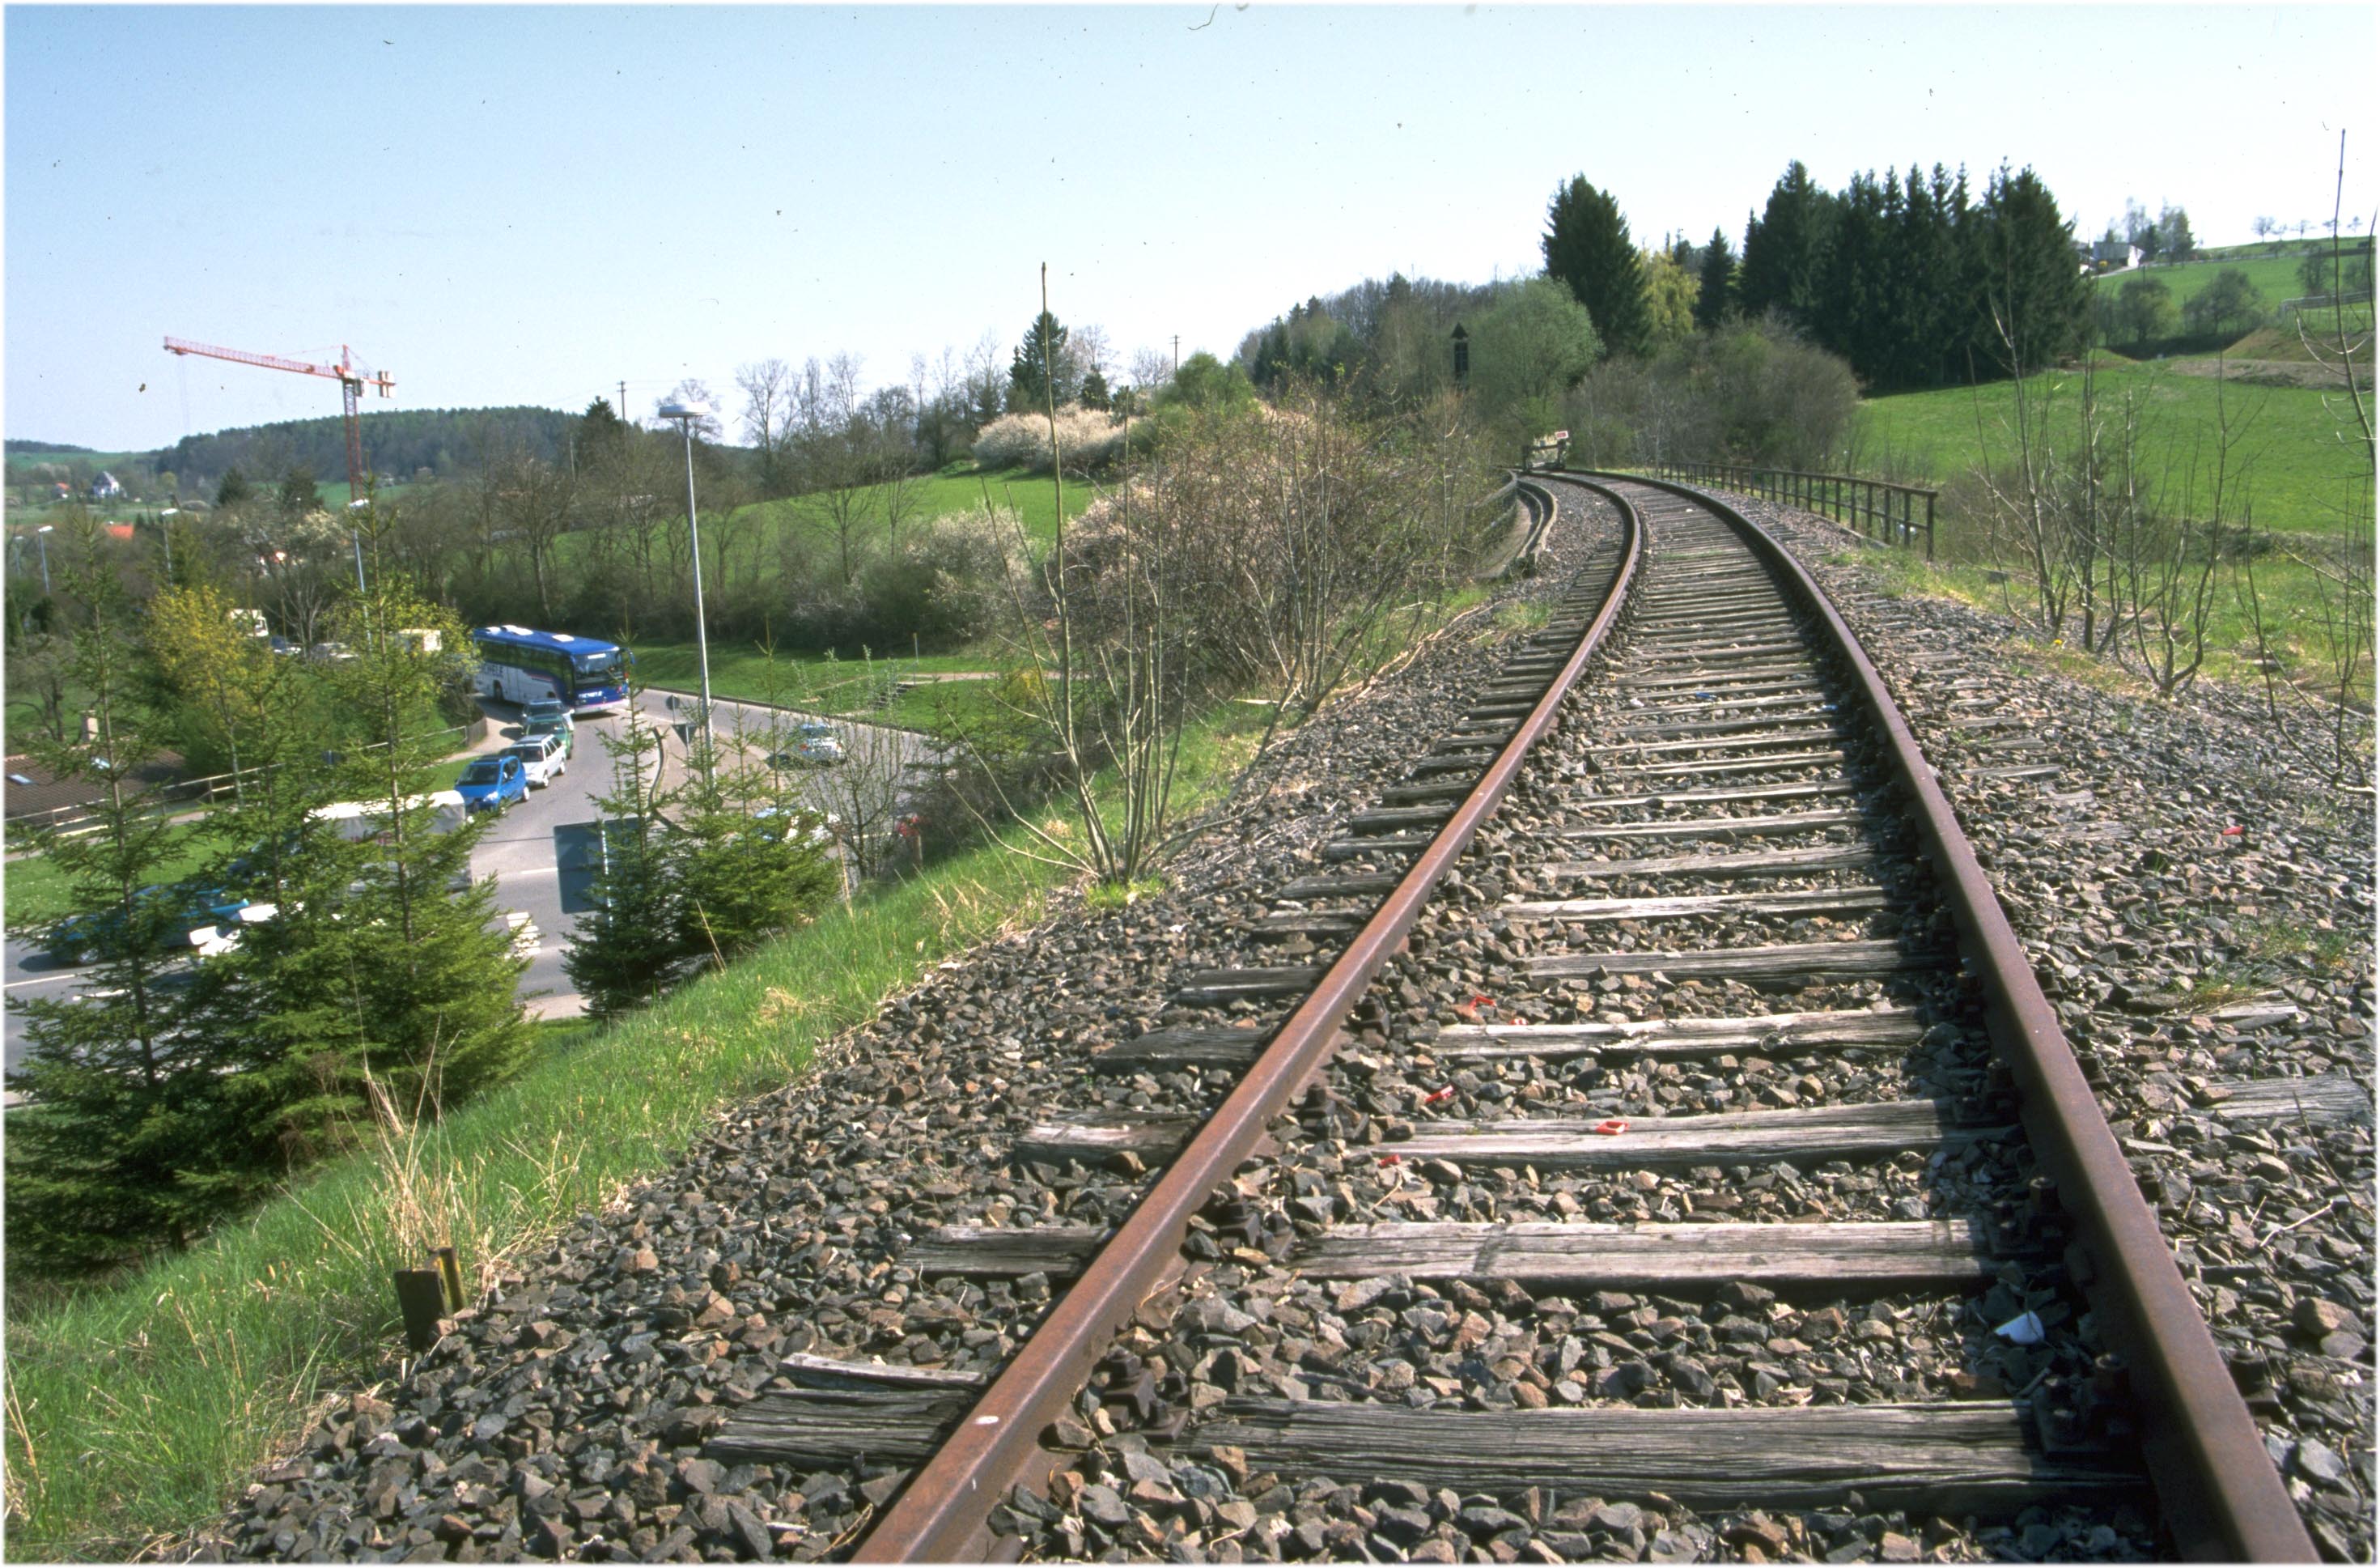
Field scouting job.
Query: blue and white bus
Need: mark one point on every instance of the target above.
(521, 665)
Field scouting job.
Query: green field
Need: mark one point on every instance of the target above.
(2274, 276)
(2298, 464)
(956, 489)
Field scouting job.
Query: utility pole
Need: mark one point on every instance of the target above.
(1177, 355)
(623, 402)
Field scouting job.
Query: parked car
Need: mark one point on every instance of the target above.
(283, 645)
(559, 728)
(181, 909)
(492, 783)
(543, 757)
(815, 746)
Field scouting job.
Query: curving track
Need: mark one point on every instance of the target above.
(1678, 1119)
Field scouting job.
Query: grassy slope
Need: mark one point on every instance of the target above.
(852, 679)
(2296, 465)
(2300, 475)
(956, 489)
(136, 1407)
(2275, 276)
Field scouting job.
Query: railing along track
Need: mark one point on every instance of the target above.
(1739, 617)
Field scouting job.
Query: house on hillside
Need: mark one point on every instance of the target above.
(2109, 255)
(105, 488)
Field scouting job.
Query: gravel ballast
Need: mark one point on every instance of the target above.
(566, 1413)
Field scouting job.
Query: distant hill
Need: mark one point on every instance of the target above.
(397, 445)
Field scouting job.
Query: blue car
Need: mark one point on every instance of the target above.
(179, 910)
(491, 783)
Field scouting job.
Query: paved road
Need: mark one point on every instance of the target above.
(541, 853)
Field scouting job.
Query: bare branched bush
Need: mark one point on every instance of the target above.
(1297, 533)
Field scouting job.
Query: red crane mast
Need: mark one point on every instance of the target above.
(352, 378)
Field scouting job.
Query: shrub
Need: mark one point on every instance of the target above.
(943, 584)
(2230, 306)
(1090, 438)
(1755, 392)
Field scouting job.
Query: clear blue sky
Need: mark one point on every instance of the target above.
(528, 205)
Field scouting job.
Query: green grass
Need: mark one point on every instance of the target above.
(137, 1407)
(36, 892)
(2274, 276)
(2287, 590)
(2297, 464)
(955, 489)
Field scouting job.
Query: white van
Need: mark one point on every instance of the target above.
(359, 820)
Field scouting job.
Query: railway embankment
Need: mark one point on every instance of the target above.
(2218, 984)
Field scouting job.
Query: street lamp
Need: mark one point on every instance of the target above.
(42, 537)
(685, 412)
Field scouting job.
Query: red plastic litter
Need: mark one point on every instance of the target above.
(1436, 1095)
(1489, 1002)
(1391, 1158)
(2234, 831)
(1609, 1129)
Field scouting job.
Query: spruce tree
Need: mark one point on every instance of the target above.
(1040, 367)
(626, 950)
(749, 858)
(1586, 246)
(1785, 250)
(384, 961)
(2030, 308)
(1718, 294)
(127, 1117)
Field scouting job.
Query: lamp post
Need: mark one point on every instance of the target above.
(42, 537)
(685, 414)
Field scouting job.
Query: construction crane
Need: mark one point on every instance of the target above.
(352, 378)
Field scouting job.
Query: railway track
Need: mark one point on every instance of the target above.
(1664, 1116)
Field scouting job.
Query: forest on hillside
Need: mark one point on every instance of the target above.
(398, 446)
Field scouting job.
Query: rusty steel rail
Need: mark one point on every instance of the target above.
(940, 1515)
(2221, 1496)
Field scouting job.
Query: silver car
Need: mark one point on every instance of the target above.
(543, 758)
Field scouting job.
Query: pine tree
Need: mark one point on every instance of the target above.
(749, 860)
(1717, 296)
(1095, 389)
(2026, 292)
(600, 430)
(126, 1089)
(384, 961)
(1586, 246)
(626, 951)
(1040, 358)
(1784, 251)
